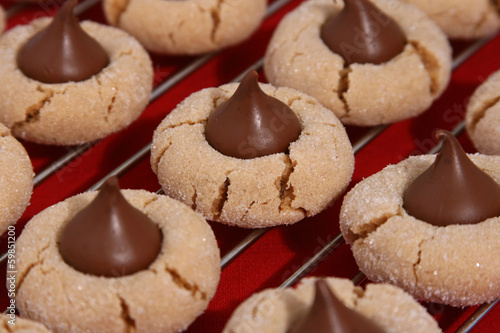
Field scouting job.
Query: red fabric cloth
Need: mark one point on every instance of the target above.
(282, 250)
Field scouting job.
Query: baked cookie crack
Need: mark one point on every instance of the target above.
(295, 56)
(196, 292)
(172, 40)
(481, 112)
(194, 205)
(215, 15)
(419, 258)
(248, 210)
(299, 33)
(431, 65)
(156, 161)
(183, 123)
(218, 204)
(127, 318)
(290, 100)
(370, 227)
(285, 187)
(125, 53)
(39, 261)
(342, 88)
(33, 111)
(149, 202)
(111, 104)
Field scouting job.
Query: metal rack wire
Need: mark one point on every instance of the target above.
(252, 237)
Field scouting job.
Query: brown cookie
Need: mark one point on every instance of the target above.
(465, 19)
(186, 26)
(74, 112)
(165, 297)
(361, 94)
(281, 188)
(279, 310)
(16, 179)
(482, 117)
(455, 264)
(16, 324)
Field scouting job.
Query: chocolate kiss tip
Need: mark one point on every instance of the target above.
(64, 51)
(362, 33)
(110, 237)
(68, 7)
(453, 190)
(251, 123)
(328, 314)
(444, 134)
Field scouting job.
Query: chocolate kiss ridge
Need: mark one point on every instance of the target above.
(453, 190)
(362, 33)
(62, 51)
(329, 315)
(110, 237)
(251, 123)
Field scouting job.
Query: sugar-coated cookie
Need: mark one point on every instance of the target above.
(186, 26)
(280, 310)
(465, 19)
(16, 324)
(482, 117)
(74, 112)
(278, 188)
(164, 297)
(454, 264)
(361, 93)
(16, 179)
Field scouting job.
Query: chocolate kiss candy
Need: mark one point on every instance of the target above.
(361, 33)
(329, 315)
(453, 190)
(251, 124)
(110, 237)
(62, 52)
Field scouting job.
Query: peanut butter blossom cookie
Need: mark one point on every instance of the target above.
(116, 261)
(430, 225)
(464, 19)
(370, 62)
(86, 82)
(252, 155)
(186, 26)
(16, 179)
(331, 305)
(482, 117)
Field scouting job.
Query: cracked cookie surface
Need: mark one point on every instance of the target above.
(482, 117)
(166, 297)
(456, 265)
(16, 179)
(465, 19)
(259, 192)
(74, 112)
(278, 310)
(361, 94)
(188, 26)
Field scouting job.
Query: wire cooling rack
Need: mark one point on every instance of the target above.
(253, 260)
